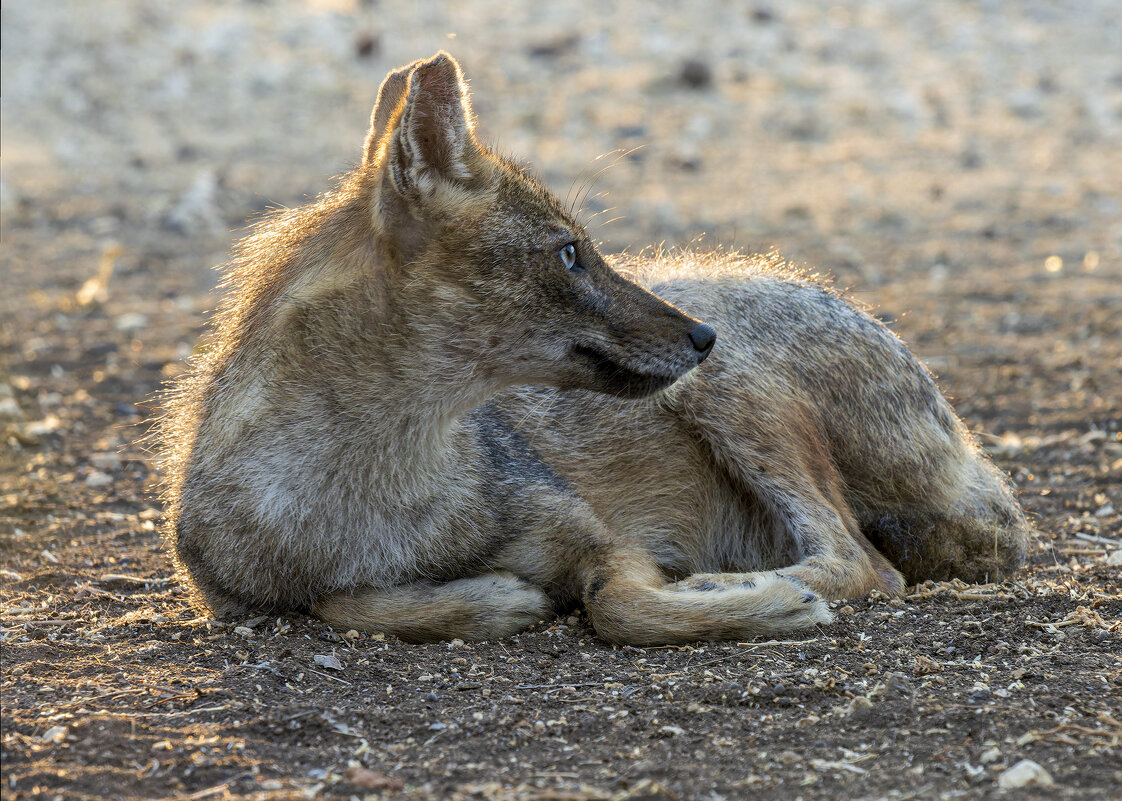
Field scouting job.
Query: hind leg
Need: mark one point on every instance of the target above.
(931, 545)
(981, 535)
(481, 608)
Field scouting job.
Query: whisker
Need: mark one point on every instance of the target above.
(614, 219)
(590, 184)
(602, 211)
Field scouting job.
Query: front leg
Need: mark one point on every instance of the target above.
(567, 550)
(835, 558)
(776, 448)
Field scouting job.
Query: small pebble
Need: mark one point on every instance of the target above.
(1024, 773)
(367, 45)
(789, 758)
(10, 409)
(329, 661)
(696, 74)
(106, 461)
(97, 479)
(131, 322)
(990, 756)
(55, 734)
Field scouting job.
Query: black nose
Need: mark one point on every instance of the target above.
(703, 336)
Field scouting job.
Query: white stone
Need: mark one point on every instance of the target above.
(990, 756)
(1024, 773)
(10, 410)
(329, 661)
(107, 460)
(98, 479)
(131, 322)
(55, 734)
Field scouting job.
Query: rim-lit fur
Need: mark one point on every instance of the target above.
(420, 413)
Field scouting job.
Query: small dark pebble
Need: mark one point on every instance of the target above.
(696, 74)
(897, 684)
(101, 350)
(631, 131)
(367, 45)
(552, 48)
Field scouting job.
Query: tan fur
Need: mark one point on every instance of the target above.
(413, 417)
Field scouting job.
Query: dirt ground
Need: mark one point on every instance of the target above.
(956, 167)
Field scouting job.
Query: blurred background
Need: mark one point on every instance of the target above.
(865, 138)
(955, 165)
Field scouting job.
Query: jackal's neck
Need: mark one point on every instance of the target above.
(363, 351)
(395, 383)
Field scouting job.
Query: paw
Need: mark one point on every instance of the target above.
(799, 604)
(707, 582)
(776, 600)
(510, 606)
(840, 579)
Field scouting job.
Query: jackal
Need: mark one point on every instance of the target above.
(431, 408)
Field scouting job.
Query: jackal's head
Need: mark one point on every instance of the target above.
(483, 261)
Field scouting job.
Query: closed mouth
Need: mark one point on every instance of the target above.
(623, 380)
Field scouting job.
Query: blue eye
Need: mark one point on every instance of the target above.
(568, 256)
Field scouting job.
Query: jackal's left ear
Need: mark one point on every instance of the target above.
(433, 140)
(391, 94)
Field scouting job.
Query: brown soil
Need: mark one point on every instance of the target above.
(956, 168)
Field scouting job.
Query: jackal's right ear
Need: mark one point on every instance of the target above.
(433, 138)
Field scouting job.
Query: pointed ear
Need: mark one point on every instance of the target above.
(433, 139)
(390, 97)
